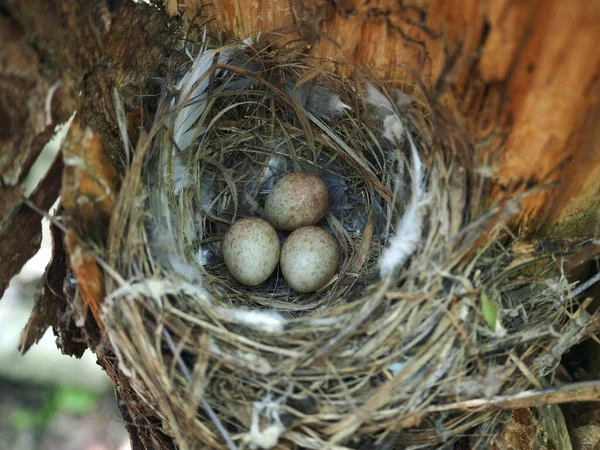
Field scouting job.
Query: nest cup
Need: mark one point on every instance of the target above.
(427, 306)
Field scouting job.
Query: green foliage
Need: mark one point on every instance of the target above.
(64, 399)
(23, 419)
(74, 400)
(489, 311)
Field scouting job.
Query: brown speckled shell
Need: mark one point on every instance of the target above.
(298, 199)
(251, 250)
(309, 258)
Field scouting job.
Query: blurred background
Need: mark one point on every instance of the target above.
(50, 401)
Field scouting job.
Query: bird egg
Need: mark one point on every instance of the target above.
(309, 258)
(251, 250)
(297, 200)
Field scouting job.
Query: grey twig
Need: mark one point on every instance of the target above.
(584, 286)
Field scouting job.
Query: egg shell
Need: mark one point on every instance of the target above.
(298, 199)
(309, 258)
(251, 250)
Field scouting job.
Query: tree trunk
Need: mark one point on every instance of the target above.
(521, 78)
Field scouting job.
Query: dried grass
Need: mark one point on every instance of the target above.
(408, 360)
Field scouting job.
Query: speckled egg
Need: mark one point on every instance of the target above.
(309, 258)
(297, 200)
(251, 250)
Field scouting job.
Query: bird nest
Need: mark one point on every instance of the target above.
(432, 308)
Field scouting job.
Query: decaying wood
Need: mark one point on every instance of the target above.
(523, 432)
(21, 231)
(89, 191)
(523, 78)
(54, 305)
(29, 107)
(56, 57)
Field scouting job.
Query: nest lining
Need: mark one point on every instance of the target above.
(359, 364)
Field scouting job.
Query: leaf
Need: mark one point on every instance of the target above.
(489, 311)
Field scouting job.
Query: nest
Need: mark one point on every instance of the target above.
(432, 305)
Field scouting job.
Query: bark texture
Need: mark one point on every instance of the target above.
(521, 78)
(58, 57)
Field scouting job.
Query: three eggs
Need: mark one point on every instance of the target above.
(309, 256)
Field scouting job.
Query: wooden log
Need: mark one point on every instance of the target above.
(522, 78)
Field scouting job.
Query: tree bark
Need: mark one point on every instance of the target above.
(522, 80)
(58, 57)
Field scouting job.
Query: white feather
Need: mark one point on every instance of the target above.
(189, 105)
(202, 255)
(266, 321)
(409, 228)
(192, 93)
(267, 437)
(393, 130)
(180, 178)
(376, 98)
(192, 88)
